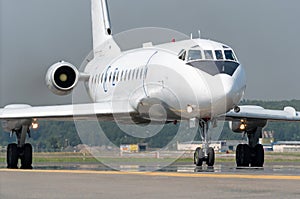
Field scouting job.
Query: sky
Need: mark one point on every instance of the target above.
(34, 34)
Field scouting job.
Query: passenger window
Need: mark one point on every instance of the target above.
(114, 77)
(122, 74)
(229, 55)
(208, 54)
(194, 55)
(117, 76)
(110, 77)
(141, 75)
(105, 77)
(133, 74)
(125, 75)
(102, 78)
(219, 54)
(129, 75)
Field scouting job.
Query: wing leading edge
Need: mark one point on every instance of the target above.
(259, 113)
(66, 112)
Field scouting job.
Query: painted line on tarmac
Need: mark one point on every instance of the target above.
(162, 174)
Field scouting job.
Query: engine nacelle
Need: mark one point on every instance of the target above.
(61, 78)
(241, 126)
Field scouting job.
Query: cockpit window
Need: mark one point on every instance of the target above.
(208, 54)
(182, 54)
(229, 55)
(194, 55)
(219, 54)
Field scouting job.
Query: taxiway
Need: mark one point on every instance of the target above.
(253, 183)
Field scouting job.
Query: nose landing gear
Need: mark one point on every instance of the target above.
(205, 154)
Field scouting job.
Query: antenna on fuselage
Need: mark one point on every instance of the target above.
(191, 35)
(199, 33)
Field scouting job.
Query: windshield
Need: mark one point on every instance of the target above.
(208, 54)
(219, 54)
(194, 55)
(229, 55)
(197, 54)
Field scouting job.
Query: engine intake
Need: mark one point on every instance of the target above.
(61, 78)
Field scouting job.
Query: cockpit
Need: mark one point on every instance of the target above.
(195, 53)
(214, 61)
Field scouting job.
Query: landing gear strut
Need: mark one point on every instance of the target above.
(20, 151)
(205, 154)
(251, 154)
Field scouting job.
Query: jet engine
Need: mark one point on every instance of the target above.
(244, 125)
(61, 78)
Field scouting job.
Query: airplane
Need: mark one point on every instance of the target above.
(196, 80)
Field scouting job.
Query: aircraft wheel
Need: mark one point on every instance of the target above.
(26, 158)
(12, 156)
(198, 157)
(211, 157)
(259, 154)
(243, 155)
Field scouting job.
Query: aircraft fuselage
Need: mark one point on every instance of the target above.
(141, 78)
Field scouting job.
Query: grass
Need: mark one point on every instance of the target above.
(59, 157)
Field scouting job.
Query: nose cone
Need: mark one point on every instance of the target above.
(234, 87)
(219, 93)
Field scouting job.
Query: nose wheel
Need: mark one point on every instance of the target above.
(205, 154)
(199, 157)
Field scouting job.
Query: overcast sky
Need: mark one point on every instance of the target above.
(36, 33)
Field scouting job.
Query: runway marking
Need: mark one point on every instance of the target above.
(163, 174)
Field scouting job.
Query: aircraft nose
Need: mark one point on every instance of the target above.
(233, 91)
(214, 94)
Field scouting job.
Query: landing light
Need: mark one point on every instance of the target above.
(35, 124)
(243, 125)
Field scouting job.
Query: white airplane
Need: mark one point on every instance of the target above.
(193, 80)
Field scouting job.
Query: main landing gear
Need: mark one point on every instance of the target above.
(251, 154)
(22, 151)
(205, 154)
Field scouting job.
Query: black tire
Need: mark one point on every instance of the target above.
(259, 156)
(12, 156)
(198, 157)
(210, 157)
(26, 158)
(243, 155)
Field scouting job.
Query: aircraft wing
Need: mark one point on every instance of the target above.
(259, 113)
(66, 112)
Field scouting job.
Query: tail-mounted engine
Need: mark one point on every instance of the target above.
(62, 77)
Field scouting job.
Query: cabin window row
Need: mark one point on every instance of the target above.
(119, 76)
